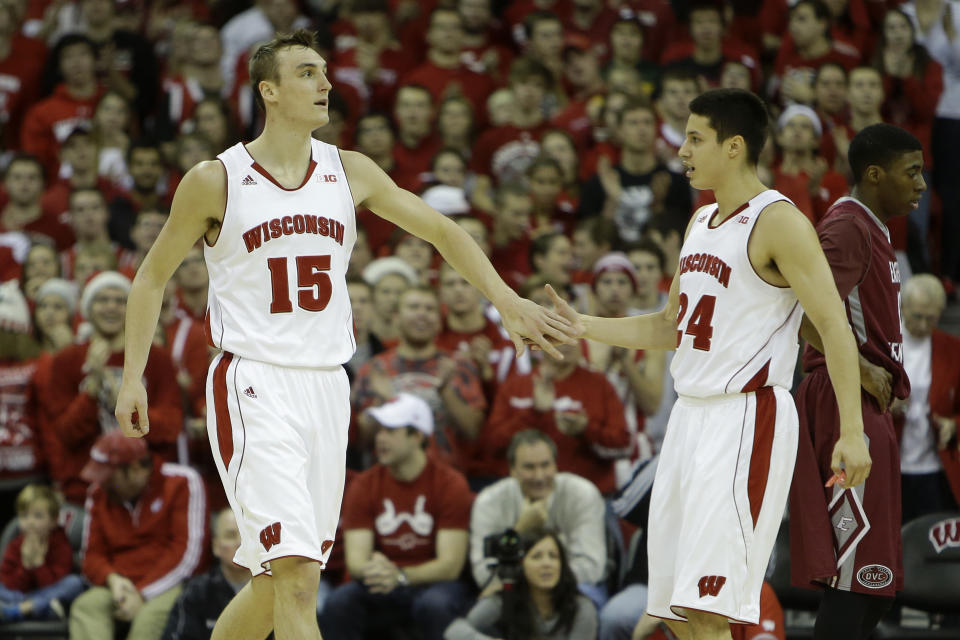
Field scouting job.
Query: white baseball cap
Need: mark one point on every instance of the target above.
(405, 410)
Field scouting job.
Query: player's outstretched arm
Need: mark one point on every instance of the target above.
(197, 204)
(524, 320)
(785, 238)
(648, 331)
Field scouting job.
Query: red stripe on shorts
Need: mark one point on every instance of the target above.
(224, 426)
(763, 427)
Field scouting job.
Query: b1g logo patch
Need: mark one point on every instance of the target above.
(875, 576)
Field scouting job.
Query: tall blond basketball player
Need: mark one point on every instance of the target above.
(277, 218)
(749, 267)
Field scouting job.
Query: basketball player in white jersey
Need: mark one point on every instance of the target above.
(747, 265)
(277, 218)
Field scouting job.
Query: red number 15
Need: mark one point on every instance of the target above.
(312, 280)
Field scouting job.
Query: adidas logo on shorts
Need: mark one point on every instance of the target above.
(250, 392)
(248, 180)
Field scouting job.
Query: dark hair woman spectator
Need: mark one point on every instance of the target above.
(111, 132)
(545, 602)
(212, 119)
(912, 84)
(41, 264)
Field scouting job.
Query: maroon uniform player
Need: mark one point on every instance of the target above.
(848, 540)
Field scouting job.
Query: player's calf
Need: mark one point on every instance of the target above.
(295, 584)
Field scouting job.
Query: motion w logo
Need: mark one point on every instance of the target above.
(270, 535)
(711, 585)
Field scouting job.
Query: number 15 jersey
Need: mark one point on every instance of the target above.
(278, 291)
(735, 332)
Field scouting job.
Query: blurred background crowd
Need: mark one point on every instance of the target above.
(549, 130)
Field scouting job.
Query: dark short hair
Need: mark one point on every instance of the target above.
(541, 245)
(648, 246)
(528, 437)
(511, 188)
(880, 145)
(829, 65)
(263, 62)
(524, 68)
(600, 230)
(374, 115)
(820, 10)
(141, 145)
(635, 104)
(735, 112)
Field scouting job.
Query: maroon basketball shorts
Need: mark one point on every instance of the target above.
(846, 539)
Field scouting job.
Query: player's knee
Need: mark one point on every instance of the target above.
(296, 580)
(707, 625)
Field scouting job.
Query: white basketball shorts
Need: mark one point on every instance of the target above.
(718, 499)
(279, 438)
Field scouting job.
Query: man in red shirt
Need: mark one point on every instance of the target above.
(144, 536)
(405, 523)
(576, 406)
(24, 210)
(504, 153)
(416, 144)
(83, 391)
(808, 45)
(510, 237)
(48, 123)
(443, 73)
(450, 385)
(847, 542)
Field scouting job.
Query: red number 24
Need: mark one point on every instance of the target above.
(313, 281)
(699, 324)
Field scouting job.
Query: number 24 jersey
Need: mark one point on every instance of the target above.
(735, 332)
(278, 290)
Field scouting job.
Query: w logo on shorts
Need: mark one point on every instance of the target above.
(270, 535)
(711, 585)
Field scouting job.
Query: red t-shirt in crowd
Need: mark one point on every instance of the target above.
(21, 450)
(590, 454)
(48, 123)
(504, 153)
(20, 74)
(442, 83)
(512, 261)
(420, 377)
(411, 163)
(406, 516)
(56, 564)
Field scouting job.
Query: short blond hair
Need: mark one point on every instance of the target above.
(263, 63)
(33, 493)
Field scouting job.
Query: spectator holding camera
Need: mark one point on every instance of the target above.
(544, 602)
(536, 496)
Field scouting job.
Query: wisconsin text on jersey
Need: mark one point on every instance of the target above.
(706, 263)
(288, 225)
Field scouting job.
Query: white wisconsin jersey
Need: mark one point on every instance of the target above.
(736, 333)
(278, 290)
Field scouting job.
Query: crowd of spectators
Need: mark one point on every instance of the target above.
(549, 130)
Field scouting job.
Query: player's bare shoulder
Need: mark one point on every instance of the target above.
(781, 232)
(364, 175)
(201, 198)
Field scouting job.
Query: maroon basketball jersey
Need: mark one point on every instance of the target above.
(865, 269)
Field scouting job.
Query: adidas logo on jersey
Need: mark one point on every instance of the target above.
(248, 180)
(250, 392)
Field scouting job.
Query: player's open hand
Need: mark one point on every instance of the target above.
(529, 323)
(851, 460)
(131, 409)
